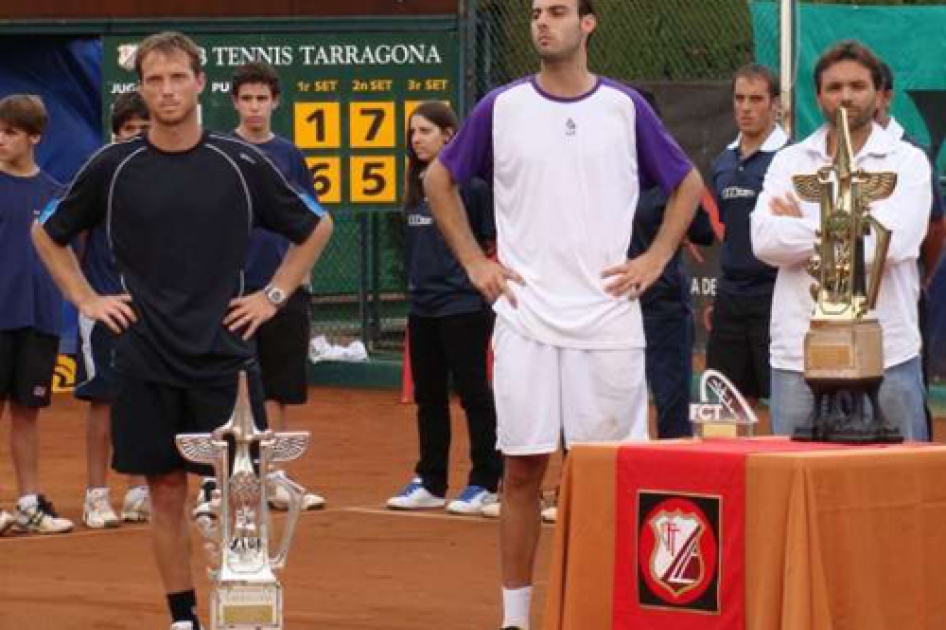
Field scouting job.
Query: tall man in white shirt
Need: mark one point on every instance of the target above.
(784, 235)
(568, 153)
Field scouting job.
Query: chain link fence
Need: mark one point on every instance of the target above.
(636, 40)
(359, 285)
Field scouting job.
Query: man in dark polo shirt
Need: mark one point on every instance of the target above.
(738, 344)
(178, 205)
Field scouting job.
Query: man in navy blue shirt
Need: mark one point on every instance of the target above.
(282, 343)
(30, 306)
(668, 315)
(738, 344)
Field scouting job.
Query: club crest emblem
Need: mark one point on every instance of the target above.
(678, 551)
(126, 56)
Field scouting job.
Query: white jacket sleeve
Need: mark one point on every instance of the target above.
(777, 240)
(906, 213)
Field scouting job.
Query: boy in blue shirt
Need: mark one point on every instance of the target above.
(282, 343)
(30, 306)
(96, 379)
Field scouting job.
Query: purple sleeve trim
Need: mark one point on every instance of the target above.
(470, 153)
(660, 160)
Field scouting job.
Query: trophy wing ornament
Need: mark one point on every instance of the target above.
(876, 186)
(289, 446)
(808, 187)
(198, 448)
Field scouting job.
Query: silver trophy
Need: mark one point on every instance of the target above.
(246, 594)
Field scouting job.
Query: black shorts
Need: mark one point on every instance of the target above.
(94, 373)
(738, 344)
(282, 346)
(146, 417)
(27, 361)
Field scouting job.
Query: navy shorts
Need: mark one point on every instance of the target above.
(282, 346)
(27, 360)
(738, 344)
(146, 416)
(94, 373)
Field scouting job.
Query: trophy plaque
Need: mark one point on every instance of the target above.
(245, 593)
(844, 343)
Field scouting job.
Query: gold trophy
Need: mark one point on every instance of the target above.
(245, 594)
(844, 363)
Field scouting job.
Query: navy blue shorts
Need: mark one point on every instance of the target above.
(27, 360)
(146, 417)
(282, 347)
(94, 371)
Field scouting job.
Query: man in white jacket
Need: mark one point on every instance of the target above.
(784, 236)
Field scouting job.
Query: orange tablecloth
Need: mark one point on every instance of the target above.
(835, 540)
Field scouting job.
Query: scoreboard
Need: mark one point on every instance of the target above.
(346, 98)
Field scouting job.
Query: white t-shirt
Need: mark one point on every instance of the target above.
(566, 176)
(788, 243)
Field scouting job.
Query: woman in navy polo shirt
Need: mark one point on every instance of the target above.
(450, 325)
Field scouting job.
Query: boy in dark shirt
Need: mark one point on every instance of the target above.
(282, 343)
(30, 308)
(96, 381)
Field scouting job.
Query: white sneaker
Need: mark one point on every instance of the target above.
(6, 521)
(136, 507)
(491, 510)
(97, 512)
(207, 504)
(182, 625)
(472, 501)
(279, 499)
(414, 496)
(550, 514)
(37, 516)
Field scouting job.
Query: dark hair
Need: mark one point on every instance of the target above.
(887, 74)
(758, 71)
(255, 72)
(586, 7)
(441, 115)
(849, 50)
(24, 112)
(165, 43)
(127, 106)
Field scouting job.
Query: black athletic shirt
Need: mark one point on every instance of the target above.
(178, 225)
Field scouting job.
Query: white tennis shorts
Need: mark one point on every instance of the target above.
(545, 394)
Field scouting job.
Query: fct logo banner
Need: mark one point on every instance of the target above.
(679, 542)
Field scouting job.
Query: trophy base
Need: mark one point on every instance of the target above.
(840, 415)
(246, 606)
(844, 351)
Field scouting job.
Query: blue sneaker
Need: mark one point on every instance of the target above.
(414, 496)
(472, 501)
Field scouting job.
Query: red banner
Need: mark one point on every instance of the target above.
(680, 540)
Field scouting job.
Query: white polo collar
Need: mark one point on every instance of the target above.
(776, 139)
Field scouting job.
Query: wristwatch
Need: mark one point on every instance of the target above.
(275, 295)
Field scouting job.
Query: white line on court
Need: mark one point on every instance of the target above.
(369, 510)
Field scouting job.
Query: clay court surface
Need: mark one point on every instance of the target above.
(353, 565)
